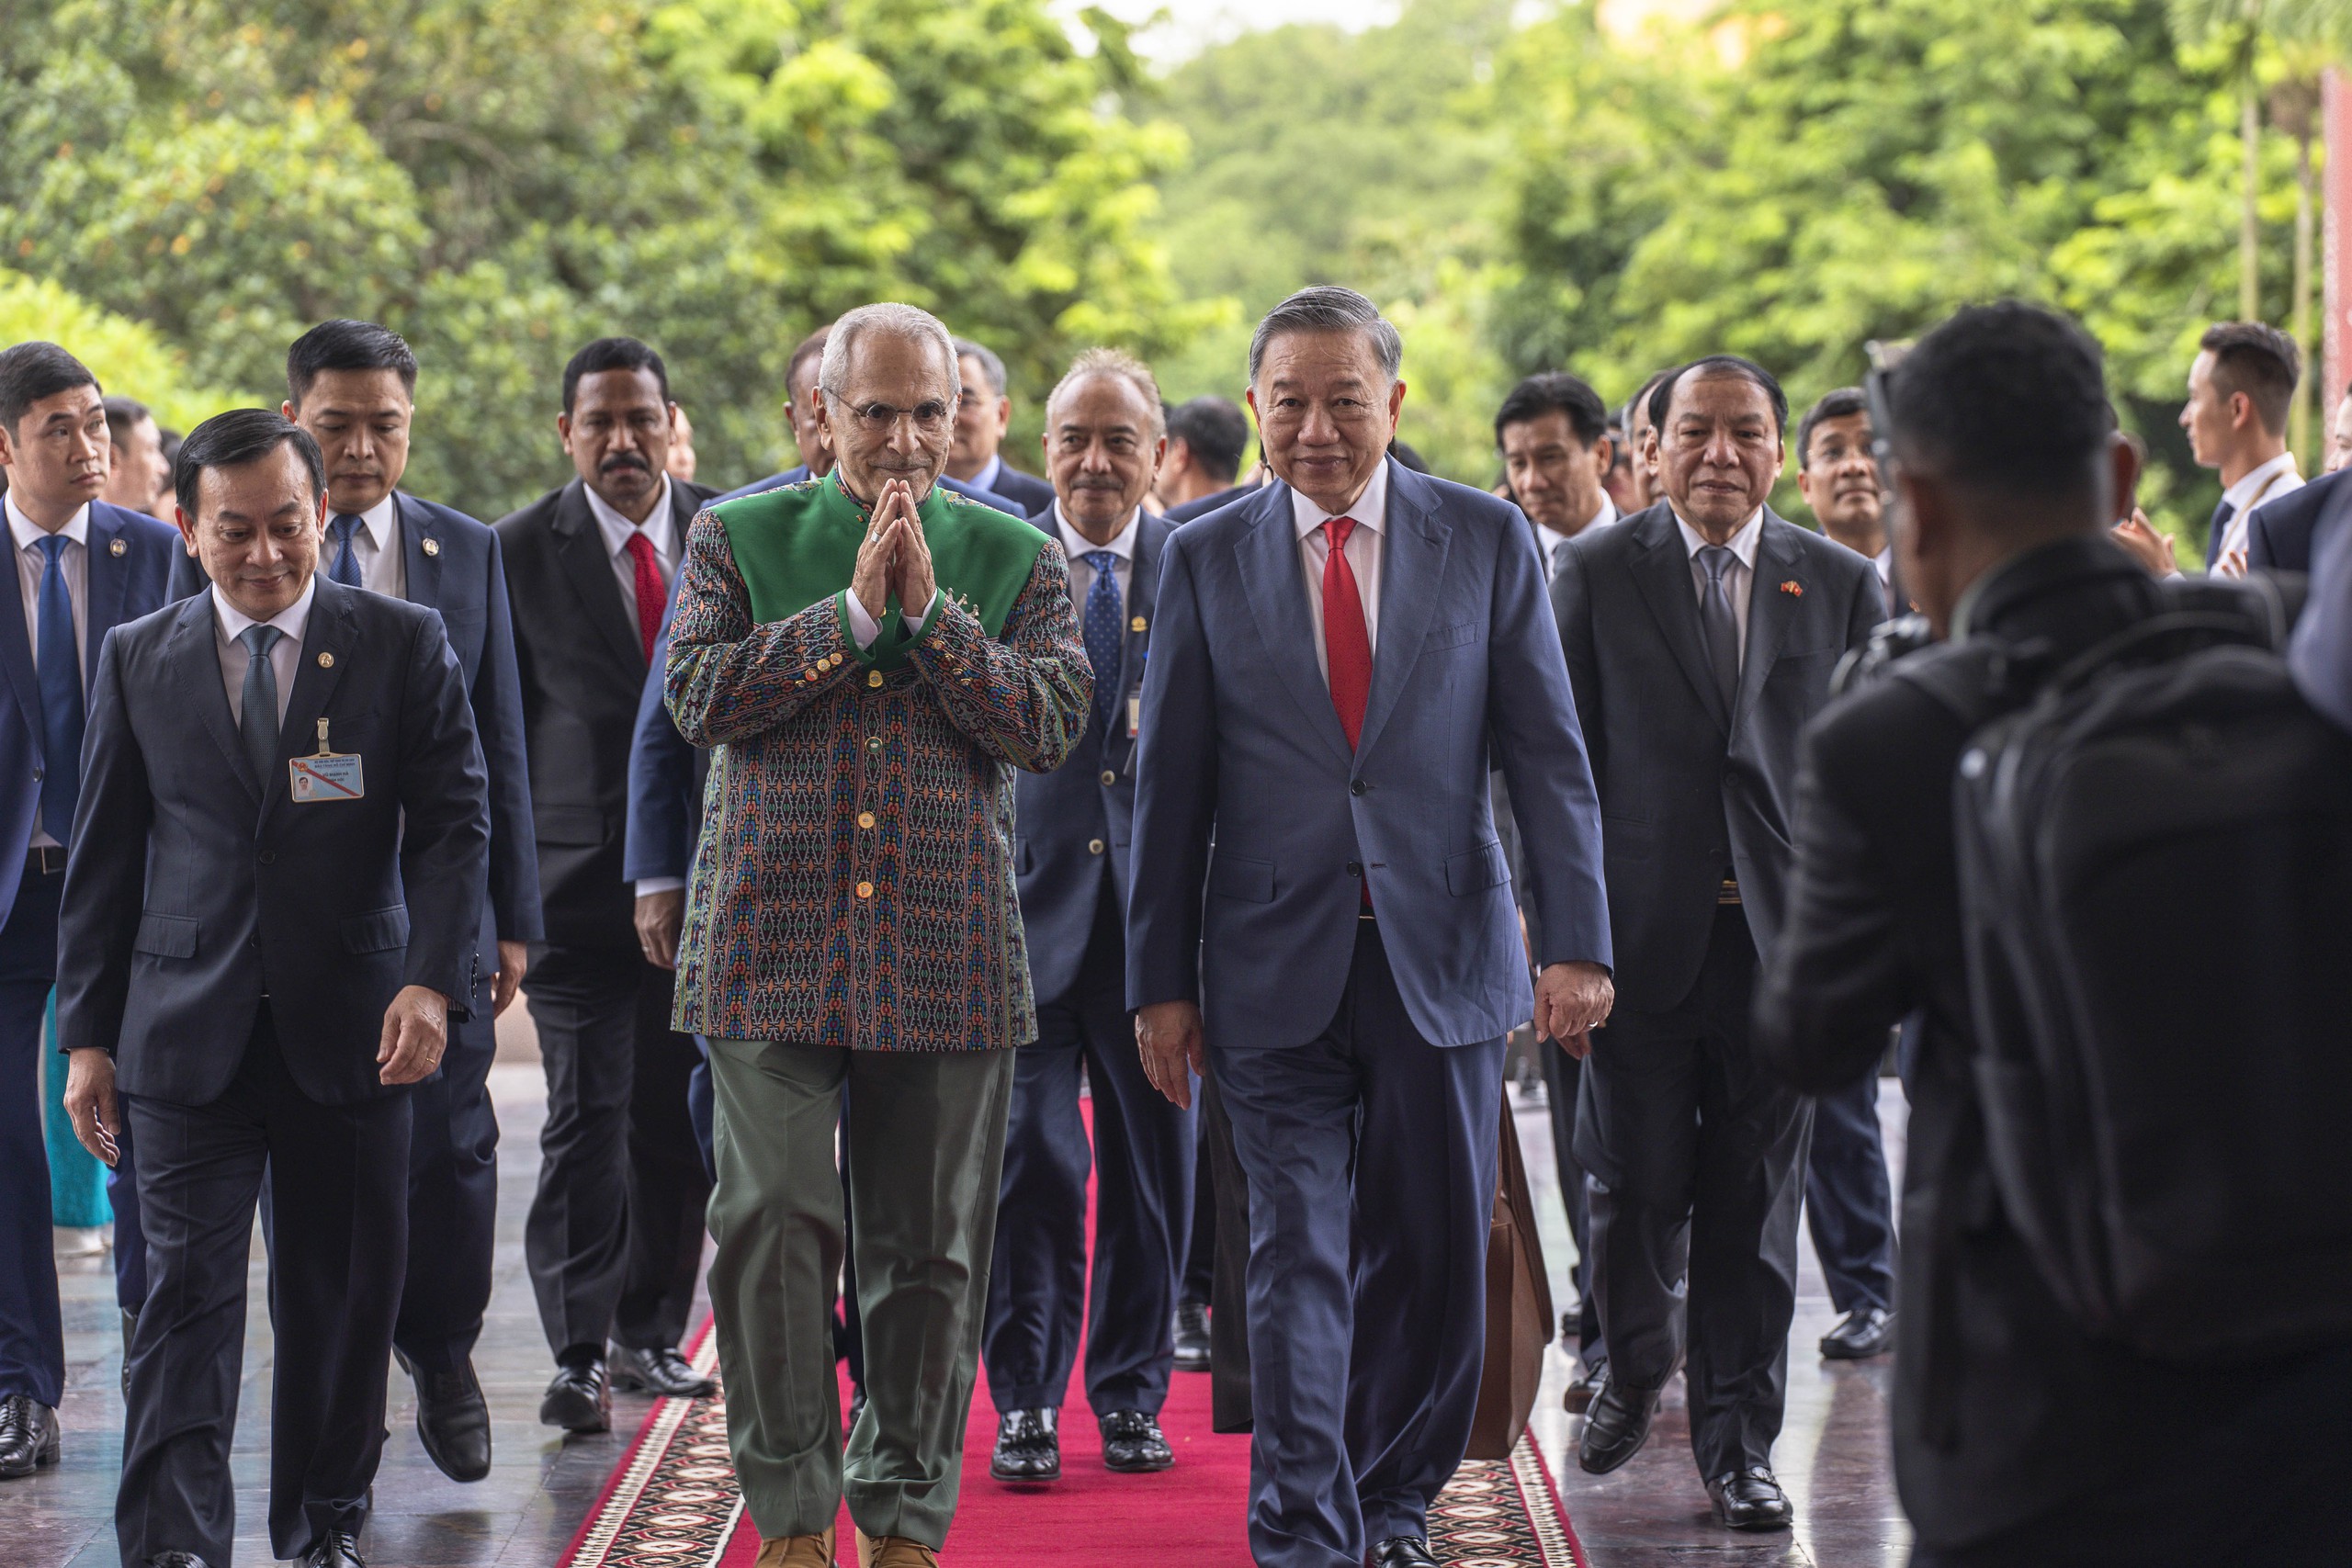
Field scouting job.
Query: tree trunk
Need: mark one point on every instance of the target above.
(2299, 416)
(2250, 219)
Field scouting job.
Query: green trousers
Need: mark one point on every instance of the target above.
(925, 1144)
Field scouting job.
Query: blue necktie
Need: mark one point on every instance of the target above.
(258, 721)
(1105, 637)
(61, 696)
(2221, 525)
(345, 568)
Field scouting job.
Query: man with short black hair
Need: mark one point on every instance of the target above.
(83, 568)
(1206, 437)
(1640, 482)
(2240, 387)
(2019, 1436)
(1838, 474)
(139, 472)
(982, 413)
(614, 1235)
(273, 908)
(1552, 433)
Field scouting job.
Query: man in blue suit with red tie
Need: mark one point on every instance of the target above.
(1322, 916)
(83, 568)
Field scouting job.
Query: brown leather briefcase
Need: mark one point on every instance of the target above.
(1519, 1306)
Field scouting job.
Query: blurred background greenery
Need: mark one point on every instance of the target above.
(1523, 183)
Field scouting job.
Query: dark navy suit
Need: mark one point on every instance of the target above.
(1070, 851)
(1360, 1060)
(236, 950)
(1184, 512)
(2321, 654)
(2278, 535)
(798, 471)
(451, 564)
(128, 558)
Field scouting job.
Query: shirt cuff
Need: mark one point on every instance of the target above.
(648, 885)
(862, 625)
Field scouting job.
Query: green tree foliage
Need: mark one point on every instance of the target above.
(502, 179)
(123, 354)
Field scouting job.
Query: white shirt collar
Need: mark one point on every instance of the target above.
(291, 620)
(377, 520)
(617, 528)
(2242, 494)
(30, 532)
(1370, 509)
(1549, 539)
(1078, 545)
(1885, 562)
(1742, 544)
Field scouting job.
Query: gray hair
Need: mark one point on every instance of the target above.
(896, 320)
(990, 365)
(1327, 308)
(1122, 367)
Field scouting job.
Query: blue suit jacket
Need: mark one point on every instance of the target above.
(197, 893)
(665, 775)
(1089, 800)
(120, 587)
(1241, 744)
(2321, 654)
(799, 472)
(462, 576)
(2279, 534)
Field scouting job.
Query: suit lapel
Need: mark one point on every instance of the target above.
(1412, 569)
(580, 547)
(1135, 644)
(1661, 571)
(17, 647)
(421, 568)
(102, 583)
(1769, 610)
(1275, 580)
(194, 662)
(327, 643)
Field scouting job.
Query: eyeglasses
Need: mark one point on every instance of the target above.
(929, 417)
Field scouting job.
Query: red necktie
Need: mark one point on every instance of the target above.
(1347, 647)
(650, 594)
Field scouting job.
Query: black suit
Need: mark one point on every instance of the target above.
(2279, 534)
(2018, 1436)
(236, 950)
(1029, 492)
(1696, 1157)
(616, 1230)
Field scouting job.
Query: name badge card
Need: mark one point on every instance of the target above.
(329, 775)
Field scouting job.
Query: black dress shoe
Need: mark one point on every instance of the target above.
(661, 1370)
(1403, 1551)
(1028, 1446)
(1133, 1443)
(1589, 1379)
(1751, 1499)
(452, 1419)
(27, 1435)
(1192, 1338)
(337, 1548)
(1867, 1332)
(175, 1559)
(578, 1400)
(1615, 1426)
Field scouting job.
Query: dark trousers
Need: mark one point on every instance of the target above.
(616, 1229)
(1698, 1157)
(1849, 1203)
(452, 1200)
(1370, 1156)
(32, 1334)
(338, 1178)
(1563, 1082)
(1193, 1287)
(1039, 1288)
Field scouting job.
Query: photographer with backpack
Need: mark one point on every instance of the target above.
(2130, 1335)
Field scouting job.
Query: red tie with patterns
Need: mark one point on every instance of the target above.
(650, 594)
(1347, 645)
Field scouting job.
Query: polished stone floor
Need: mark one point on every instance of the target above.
(1651, 1514)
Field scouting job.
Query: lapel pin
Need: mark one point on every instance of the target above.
(118, 548)
(1136, 625)
(1793, 588)
(326, 659)
(432, 546)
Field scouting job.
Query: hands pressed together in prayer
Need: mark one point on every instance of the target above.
(895, 557)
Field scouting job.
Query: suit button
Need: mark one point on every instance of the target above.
(1109, 777)
(865, 890)
(1357, 786)
(874, 743)
(865, 820)
(35, 775)
(269, 857)
(1355, 868)
(873, 677)
(1094, 846)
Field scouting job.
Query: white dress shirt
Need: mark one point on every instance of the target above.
(2268, 482)
(1363, 552)
(1548, 540)
(618, 530)
(32, 565)
(383, 568)
(1739, 578)
(229, 624)
(1078, 547)
(1885, 562)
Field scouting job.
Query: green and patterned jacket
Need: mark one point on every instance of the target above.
(854, 884)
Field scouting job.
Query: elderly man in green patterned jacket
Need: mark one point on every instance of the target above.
(870, 656)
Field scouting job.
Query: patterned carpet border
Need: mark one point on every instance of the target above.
(672, 1502)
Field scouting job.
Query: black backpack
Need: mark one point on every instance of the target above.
(2154, 847)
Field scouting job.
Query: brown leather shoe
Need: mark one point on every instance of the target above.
(797, 1552)
(893, 1552)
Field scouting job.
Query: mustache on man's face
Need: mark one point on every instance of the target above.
(620, 460)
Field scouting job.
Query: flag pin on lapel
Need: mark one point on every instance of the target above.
(1793, 588)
